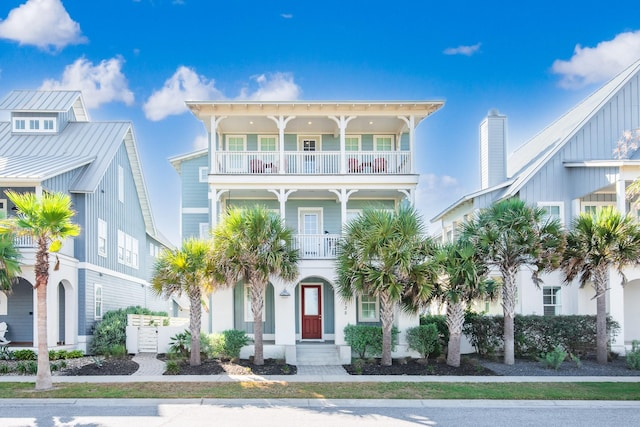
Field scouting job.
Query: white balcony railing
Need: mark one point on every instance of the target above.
(316, 246)
(23, 242)
(314, 162)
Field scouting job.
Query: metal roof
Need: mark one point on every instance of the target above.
(177, 160)
(44, 101)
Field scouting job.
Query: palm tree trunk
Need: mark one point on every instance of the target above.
(455, 322)
(600, 284)
(195, 322)
(257, 305)
(43, 376)
(509, 309)
(386, 318)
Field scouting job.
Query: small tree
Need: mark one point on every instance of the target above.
(510, 235)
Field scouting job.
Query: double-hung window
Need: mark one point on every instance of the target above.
(102, 237)
(368, 309)
(97, 301)
(551, 300)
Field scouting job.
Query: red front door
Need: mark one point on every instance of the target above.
(311, 312)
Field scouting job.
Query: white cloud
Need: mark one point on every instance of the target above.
(598, 64)
(42, 23)
(286, 15)
(272, 87)
(201, 141)
(462, 50)
(435, 193)
(184, 85)
(99, 84)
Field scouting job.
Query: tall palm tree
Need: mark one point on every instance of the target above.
(596, 243)
(48, 220)
(186, 270)
(386, 255)
(508, 236)
(462, 279)
(252, 245)
(9, 262)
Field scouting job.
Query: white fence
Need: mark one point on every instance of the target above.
(316, 246)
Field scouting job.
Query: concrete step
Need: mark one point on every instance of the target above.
(317, 355)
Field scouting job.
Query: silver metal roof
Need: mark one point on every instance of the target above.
(39, 100)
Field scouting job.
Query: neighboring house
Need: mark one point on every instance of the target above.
(574, 165)
(317, 164)
(49, 145)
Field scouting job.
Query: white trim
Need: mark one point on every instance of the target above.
(38, 121)
(103, 232)
(377, 309)
(319, 211)
(195, 210)
(203, 230)
(203, 174)
(120, 183)
(226, 142)
(321, 296)
(598, 205)
(112, 273)
(97, 289)
(560, 205)
(316, 138)
(556, 296)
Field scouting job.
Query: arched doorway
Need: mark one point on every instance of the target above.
(631, 312)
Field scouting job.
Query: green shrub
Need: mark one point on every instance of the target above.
(117, 351)
(25, 355)
(424, 339)
(234, 340)
(111, 330)
(367, 340)
(633, 357)
(27, 367)
(6, 353)
(4, 368)
(57, 354)
(74, 354)
(172, 367)
(441, 323)
(180, 344)
(553, 359)
(535, 335)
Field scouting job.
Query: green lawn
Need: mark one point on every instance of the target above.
(274, 390)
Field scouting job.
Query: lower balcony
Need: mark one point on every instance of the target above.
(316, 246)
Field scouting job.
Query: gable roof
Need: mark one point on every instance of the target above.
(51, 101)
(81, 144)
(530, 157)
(176, 161)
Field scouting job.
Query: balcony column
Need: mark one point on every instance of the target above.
(282, 196)
(214, 198)
(213, 142)
(342, 122)
(281, 122)
(343, 197)
(411, 124)
(621, 195)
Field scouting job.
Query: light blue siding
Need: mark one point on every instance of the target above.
(269, 310)
(194, 193)
(191, 224)
(61, 183)
(330, 143)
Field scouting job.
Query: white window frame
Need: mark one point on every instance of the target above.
(203, 174)
(102, 237)
(598, 205)
(275, 147)
(358, 137)
(560, 205)
(49, 125)
(316, 138)
(121, 247)
(20, 124)
(135, 253)
(375, 143)
(120, 183)
(98, 301)
(234, 136)
(361, 302)
(34, 124)
(203, 230)
(248, 311)
(555, 296)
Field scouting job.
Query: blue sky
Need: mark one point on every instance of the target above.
(138, 60)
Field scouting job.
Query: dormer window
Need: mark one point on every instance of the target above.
(34, 124)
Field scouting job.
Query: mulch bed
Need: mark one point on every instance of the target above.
(124, 366)
(417, 367)
(242, 367)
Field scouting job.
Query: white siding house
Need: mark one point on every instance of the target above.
(50, 145)
(317, 164)
(573, 165)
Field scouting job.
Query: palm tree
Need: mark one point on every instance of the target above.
(385, 254)
(596, 243)
(47, 219)
(9, 262)
(252, 245)
(186, 270)
(510, 235)
(462, 279)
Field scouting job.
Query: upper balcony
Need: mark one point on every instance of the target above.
(314, 163)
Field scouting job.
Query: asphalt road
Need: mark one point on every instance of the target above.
(314, 413)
